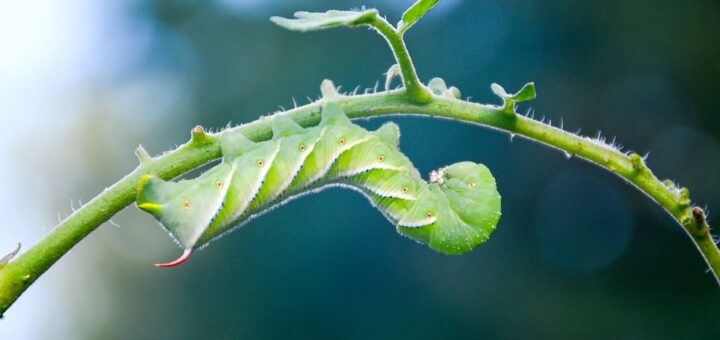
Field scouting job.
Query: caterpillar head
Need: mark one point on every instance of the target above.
(457, 211)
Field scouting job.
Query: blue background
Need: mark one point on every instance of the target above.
(577, 253)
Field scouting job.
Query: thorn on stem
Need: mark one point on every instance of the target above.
(199, 136)
(393, 72)
(198, 130)
(685, 198)
(637, 162)
(6, 259)
(328, 89)
(700, 229)
(698, 215)
(142, 155)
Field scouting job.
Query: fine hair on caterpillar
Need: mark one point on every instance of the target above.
(454, 212)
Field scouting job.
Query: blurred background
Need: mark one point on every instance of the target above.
(577, 253)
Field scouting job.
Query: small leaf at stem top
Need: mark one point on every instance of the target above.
(526, 93)
(309, 21)
(499, 90)
(414, 13)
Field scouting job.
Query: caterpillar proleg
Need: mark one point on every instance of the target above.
(454, 212)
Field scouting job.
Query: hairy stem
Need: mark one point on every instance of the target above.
(17, 275)
(416, 91)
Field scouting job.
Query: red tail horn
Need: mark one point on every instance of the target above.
(186, 255)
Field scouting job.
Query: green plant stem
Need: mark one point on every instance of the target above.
(17, 275)
(416, 91)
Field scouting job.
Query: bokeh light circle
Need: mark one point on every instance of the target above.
(581, 224)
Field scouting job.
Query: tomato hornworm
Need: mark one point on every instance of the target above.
(454, 212)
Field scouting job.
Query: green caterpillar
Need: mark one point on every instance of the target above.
(453, 213)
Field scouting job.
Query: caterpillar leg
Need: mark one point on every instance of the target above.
(184, 257)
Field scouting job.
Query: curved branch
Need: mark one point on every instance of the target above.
(17, 275)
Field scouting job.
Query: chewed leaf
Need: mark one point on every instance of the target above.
(414, 13)
(526, 93)
(9, 257)
(308, 21)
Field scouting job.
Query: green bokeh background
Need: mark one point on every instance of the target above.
(577, 254)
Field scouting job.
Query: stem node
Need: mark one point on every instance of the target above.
(416, 91)
(698, 214)
(328, 89)
(199, 136)
(637, 162)
(143, 156)
(6, 259)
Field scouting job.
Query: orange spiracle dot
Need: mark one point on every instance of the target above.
(218, 184)
(429, 215)
(302, 147)
(342, 141)
(186, 204)
(381, 158)
(260, 162)
(471, 185)
(405, 189)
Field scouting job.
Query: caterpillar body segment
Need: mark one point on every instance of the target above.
(454, 212)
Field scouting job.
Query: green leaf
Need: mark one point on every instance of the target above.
(499, 91)
(309, 21)
(437, 86)
(414, 13)
(526, 93)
